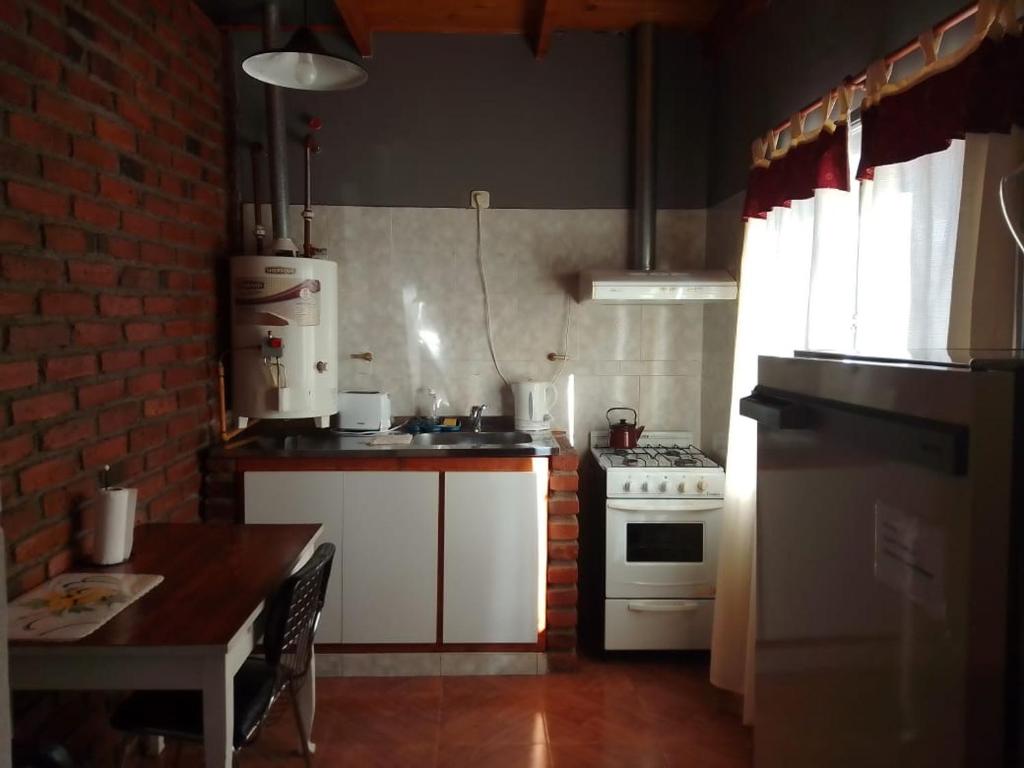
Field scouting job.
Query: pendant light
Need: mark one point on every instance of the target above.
(304, 64)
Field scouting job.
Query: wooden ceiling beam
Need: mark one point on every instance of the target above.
(355, 21)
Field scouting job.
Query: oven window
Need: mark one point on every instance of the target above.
(664, 542)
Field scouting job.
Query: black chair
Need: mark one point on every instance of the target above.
(291, 620)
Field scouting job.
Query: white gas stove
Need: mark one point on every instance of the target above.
(662, 522)
(665, 465)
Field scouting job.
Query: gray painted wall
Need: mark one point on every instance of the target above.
(442, 115)
(789, 56)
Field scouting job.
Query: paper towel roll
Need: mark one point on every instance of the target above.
(115, 525)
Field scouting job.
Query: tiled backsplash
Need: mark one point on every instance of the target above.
(411, 294)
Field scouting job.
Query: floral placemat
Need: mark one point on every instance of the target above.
(70, 606)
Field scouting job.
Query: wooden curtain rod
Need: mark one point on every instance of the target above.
(938, 29)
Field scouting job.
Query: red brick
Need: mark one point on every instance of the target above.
(63, 111)
(99, 215)
(28, 58)
(18, 231)
(562, 640)
(42, 407)
(119, 360)
(59, 563)
(17, 303)
(120, 248)
(36, 200)
(120, 306)
(561, 618)
(19, 520)
(119, 418)
(140, 225)
(159, 206)
(92, 273)
(67, 303)
(37, 338)
(31, 269)
(563, 529)
(37, 134)
(562, 574)
(147, 436)
(135, 114)
(137, 277)
(68, 175)
(18, 375)
(189, 398)
(177, 377)
(47, 473)
(115, 133)
(182, 469)
(117, 191)
(69, 433)
(159, 406)
(563, 550)
(564, 481)
(97, 334)
(160, 305)
(98, 394)
(179, 328)
(562, 597)
(66, 239)
(14, 450)
(160, 355)
(563, 504)
(105, 452)
(143, 331)
(88, 151)
(14, 90)
(28, 579)
(144, 384)
(42, 542)
(65, 368)
(567, 460)
(55, 38)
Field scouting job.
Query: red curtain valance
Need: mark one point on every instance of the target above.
(822, 163)
(984, 93)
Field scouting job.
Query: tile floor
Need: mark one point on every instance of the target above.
(628, 714)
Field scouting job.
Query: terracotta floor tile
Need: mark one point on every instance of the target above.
(494, 756)
(606, 756)
(402, 755)
(467, 723)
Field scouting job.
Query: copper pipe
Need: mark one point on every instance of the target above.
(225, 434)
(858, 82)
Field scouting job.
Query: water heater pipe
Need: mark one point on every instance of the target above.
(256, 153)
(644, 209)
(276, 138)
(312, 148)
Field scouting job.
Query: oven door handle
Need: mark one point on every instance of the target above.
(659, 606)
(668, 583)
(691, 507)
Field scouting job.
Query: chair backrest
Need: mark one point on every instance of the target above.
(294, 613)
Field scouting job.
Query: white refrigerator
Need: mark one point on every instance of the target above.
(889, 587)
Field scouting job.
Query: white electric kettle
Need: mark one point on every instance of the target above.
(533, 402)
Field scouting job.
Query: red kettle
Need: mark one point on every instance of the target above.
(623, 434)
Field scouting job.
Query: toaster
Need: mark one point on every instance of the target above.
(362, 411)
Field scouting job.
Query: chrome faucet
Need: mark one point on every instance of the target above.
(475, 414)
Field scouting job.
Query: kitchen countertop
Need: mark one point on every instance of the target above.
(329, 444)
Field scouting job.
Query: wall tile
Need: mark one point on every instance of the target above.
(671, 402)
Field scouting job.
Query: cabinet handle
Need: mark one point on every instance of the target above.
(657, 607)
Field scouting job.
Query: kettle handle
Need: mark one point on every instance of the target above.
(621, 408)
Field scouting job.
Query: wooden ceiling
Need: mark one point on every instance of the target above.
(536, 19)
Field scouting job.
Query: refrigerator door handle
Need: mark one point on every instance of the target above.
(774, 412)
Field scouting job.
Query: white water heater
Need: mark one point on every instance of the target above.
(284, 346)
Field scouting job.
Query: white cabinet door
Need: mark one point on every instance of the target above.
(304, 497)
(491, 556)
(389, 557)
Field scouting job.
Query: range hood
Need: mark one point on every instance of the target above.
(643, 283)
(642, 287)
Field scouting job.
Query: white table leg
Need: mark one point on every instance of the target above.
(307, 701)
(218, 713)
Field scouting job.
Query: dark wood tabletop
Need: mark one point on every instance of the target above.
(215, 576)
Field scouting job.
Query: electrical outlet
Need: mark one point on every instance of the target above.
(479, 199)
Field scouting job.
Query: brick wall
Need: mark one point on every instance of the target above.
(111, 218)
(563, 556)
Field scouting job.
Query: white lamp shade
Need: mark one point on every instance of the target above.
(305, 65)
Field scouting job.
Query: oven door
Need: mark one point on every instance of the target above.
(662, 548)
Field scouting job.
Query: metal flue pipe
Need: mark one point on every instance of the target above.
(644, 206)
(275, 132)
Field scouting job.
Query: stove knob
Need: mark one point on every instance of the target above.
(643, 488)
(663, 487)
(682, 487)
(625, 487)
(700, 486)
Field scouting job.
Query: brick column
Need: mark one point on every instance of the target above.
(563, 553)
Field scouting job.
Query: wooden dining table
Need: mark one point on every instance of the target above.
(191, 632)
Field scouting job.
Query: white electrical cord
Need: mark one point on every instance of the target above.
(487, 307)
(1006, 213)
(487, 298)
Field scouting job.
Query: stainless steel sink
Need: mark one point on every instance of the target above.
(472, 438)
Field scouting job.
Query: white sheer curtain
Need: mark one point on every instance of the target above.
(867, 270)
